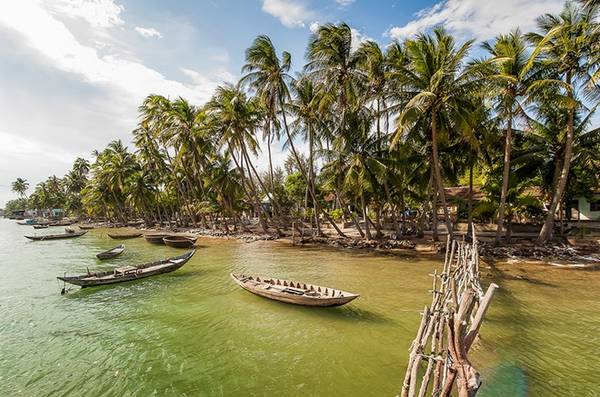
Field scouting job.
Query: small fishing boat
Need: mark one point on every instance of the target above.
(69, 230)
(27, 222)
(56, 236)
(124, 235)
(293, 292)
(180, 241)
(86, 227)
(40, 226)
(128, 273)
(156, 238)
(112, 253)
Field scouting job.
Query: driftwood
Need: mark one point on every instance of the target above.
(449, 327)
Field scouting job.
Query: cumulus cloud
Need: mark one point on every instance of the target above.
(148, 32)
(98, 13)
(358, 38)
(480, 19)
(291, 13)
(344, 3)
(64, 94)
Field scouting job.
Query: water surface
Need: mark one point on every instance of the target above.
(195, 333)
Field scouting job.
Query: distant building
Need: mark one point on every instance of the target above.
(585, 209)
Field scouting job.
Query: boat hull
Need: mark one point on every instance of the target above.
(145, 271)
(156, 238)
(271, 292)
(179, 242)
(56, 236)
(111, 253)
(116, 236)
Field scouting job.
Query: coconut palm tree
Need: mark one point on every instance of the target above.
(564, 45)
(20, 187)
(510, 77)
(439, 86)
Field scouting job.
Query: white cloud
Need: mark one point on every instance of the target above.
(344, 3)
(65, 93)
(98, 13)
(314, 27)
(51, 38)
(148, 32)
(479, 19)
(291, 13)
(357, 38)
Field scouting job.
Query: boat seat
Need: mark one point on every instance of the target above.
(175, 261)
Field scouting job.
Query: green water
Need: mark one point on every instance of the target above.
(195, 333)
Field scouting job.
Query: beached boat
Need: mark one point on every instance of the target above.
(124, 235)
(293, 292)
(69, 230)
(56, 236)
(27, 222)
(156, 238)
(40, 226)
(180, 241)
(111, 253)
(86, 227)
(128, 273)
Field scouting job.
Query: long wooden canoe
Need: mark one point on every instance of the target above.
(56, 236)
(180, 241)
(293, 292)
(40, 226)
(128, 273)
(86, 227)
(111, 253)
(123, 235)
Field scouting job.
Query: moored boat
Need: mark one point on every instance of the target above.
(86, 227)
(124, 235)
(128, 273)
(156, 238)
(111, 253)
(293, 292)
(180, 241)
(56, 236)
(40, 226)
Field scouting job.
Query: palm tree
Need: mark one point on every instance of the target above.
(510, 78)
(269, 77)
(268, 74)
(565, 47)
(20, 187)
(439, 87)
(235, 118)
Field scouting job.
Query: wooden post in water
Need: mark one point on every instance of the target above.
(449, 327)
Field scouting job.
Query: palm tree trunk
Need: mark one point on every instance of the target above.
(311, 161)
(365, 217)
(438, 173)
(434, 217)
(303, 171)
(505, 179)
(470, 209)
(547, 229)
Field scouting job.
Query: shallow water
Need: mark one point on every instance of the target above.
(195, 333)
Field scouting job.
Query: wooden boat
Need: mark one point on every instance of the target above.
(40, 226)
(293, 292)
(124, 235)
(156, 238)
(56, 236)
(86, 227)
(27, 222)
(112, 253)
(180, 241)
(128, 273)
(69, 230)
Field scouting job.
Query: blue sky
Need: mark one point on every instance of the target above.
(72, 72)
